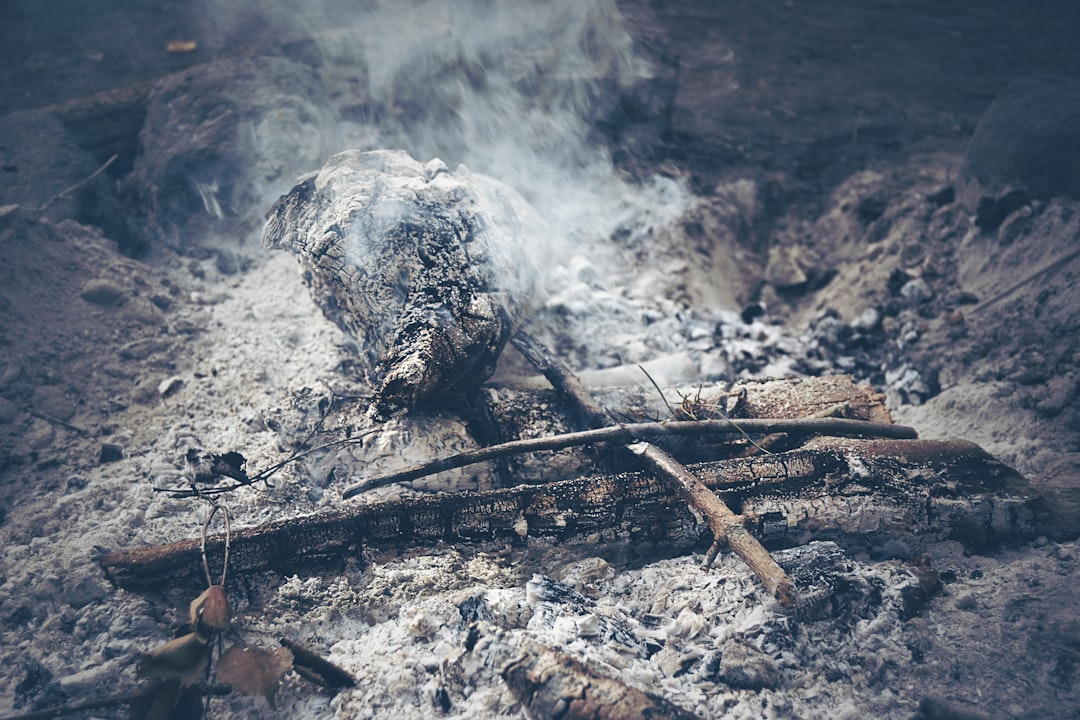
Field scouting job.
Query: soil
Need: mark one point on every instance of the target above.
(812, 215)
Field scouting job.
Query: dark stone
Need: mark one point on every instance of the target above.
(944, 196)
(110, 452)
(752, 312)
(870, 209)
(897, 279)
(992, 211)
(1029, 139)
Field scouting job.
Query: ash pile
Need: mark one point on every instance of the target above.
(554, 212)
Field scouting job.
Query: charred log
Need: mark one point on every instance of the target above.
(877, 496)
(424, 267)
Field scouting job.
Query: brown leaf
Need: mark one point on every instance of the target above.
(211, 610)
(254, 670)
(183, 659)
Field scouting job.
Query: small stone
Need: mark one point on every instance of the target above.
(917, 291)
(965, 601)
(100, 291)
(52, 401)
(746, 668)
(9, 411)
(40, 435)
(146, 391)
(785, 267)
(144, 348)
(944, 196)
(1060, 394)
(170, 385)
(110, 452)
(868, 320)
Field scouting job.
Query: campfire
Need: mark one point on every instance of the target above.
(561, 401)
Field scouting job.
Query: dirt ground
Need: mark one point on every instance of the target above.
(815, 219)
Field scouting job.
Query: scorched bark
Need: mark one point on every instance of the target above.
(426, 268)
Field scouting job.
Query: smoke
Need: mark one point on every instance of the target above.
(511, 89)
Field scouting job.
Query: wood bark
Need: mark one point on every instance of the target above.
(552, 685)
(874, 496)
(727, 528)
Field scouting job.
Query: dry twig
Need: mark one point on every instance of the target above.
(726, 526)
(627, 432)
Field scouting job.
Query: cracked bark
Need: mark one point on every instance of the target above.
(726, 526)
(868, 495)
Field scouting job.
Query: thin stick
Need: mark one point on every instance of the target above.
(63, 423)
(624, 432)
(726, 526)
(79, 184)
(262, 475)
(228, 536)
(1052, 267)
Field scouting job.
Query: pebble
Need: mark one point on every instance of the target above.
(110, 452)
(100, 291)
(51, 400)
(40, 435)
(916, 291)
(965, 601)
(170, 385)
(9, 411)
(142, 349)
(746, 668)
(146, 391)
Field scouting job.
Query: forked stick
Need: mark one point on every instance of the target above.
(726, 526)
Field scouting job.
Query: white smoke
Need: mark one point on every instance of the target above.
(512, 89)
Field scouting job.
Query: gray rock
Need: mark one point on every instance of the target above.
(1029, 139)
(51, 400)
(917, 291)
(101, 291)
(746, 668)
(110, 452)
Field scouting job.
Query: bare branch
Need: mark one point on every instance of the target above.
(726, 526)
(624, 432)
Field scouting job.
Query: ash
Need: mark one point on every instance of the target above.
(138, 320)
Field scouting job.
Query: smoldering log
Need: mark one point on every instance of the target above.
(874, 496)
(726, 527)
(427, 268)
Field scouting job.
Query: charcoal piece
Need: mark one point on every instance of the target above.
(428, 269)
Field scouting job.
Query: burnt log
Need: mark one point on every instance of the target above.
(426, 268)
(882, 497)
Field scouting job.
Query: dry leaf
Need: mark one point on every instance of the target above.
(254, 670)
(181, 46)
(210, 609)
(184, 659)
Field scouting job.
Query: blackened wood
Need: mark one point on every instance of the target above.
(870, 496)
(726, 526)
(552, 685)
